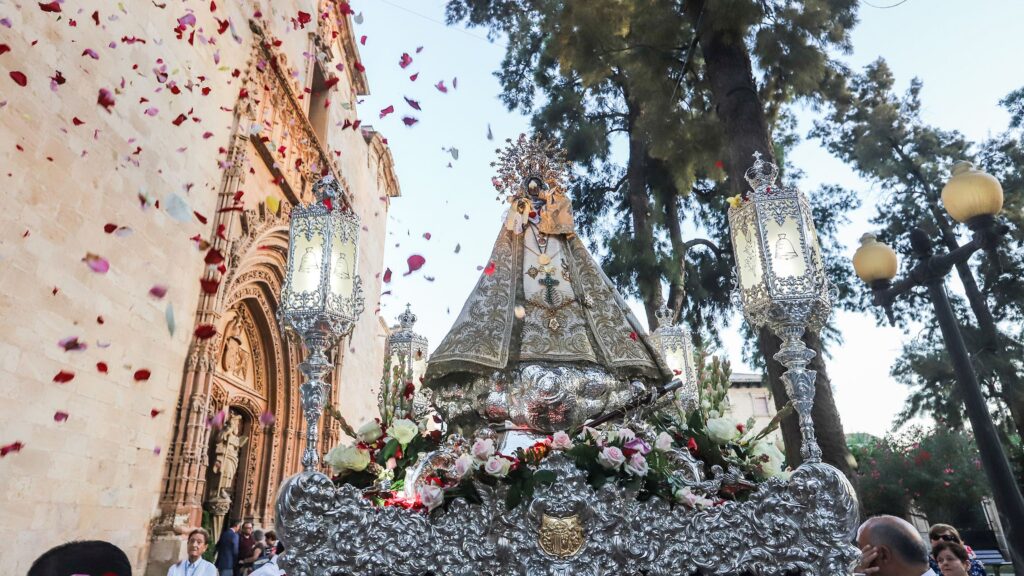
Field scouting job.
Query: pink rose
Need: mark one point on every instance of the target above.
(497, 466)
(561, 441)
(638, 445)
(430, 496)
(664, 442)
(482, 449)
(463, 466)
(637, 465)
(611, 457)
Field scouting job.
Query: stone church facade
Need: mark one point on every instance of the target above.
(138, 461)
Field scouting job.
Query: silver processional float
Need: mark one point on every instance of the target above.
(561, 439)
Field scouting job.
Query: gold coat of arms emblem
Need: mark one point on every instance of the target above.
(561, 537)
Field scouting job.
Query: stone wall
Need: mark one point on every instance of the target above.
(70, 168)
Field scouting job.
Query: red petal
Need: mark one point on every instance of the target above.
(413, 103)
(214, 257)
(387, 275)
(414, 76)
(409, 120)
(304, 17)
(158, 291)
(4, 48)
(267, 418)
(359, 66)
(50, 6)
(63, 377)
(179, 120)
(109, 228)
(76, 121)
(19, 78)
(60, 416)
(205, 331)
(406, 60)
(105, 99)
(200, 217)
(154, 413)
(489, 270)
(209, 285)
(12, 447)
(71, 344)
(633, 336)
(441, 87)
(415, 262)
(101, 367)
(384, 112)
(141, 375)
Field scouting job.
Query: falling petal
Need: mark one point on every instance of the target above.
(273, 204)
(141, 375)
(217, 420)
(96, 263)
(71, 344)
(387, 275)
(489, 270)
(101, 367)
(60, 416)
(415, 262)
(158, 291)
(63, 377)
(9, 448)
(169, 318)
(205, 331)
(267, 419)
(153, 413)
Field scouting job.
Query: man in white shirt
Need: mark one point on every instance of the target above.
(195, 565)
(890, 546)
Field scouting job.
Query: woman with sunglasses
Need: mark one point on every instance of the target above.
(942, 533)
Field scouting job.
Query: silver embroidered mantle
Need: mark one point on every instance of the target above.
(803, 525)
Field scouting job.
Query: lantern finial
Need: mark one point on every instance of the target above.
(327, 187)
(762, 174)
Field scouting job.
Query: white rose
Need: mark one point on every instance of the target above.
(482, 449)
(611, 457)
(561, 441)
(637, 465)
(722, 430)
(685, 496)
(369, 433)
(622, 435)
(343, 458)
(497, 466)
(664, 442)
(403, 430)
(430, 496)
(769, 457)
(463, 466)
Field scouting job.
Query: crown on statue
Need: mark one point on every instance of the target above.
(527, 158)
(762, 174)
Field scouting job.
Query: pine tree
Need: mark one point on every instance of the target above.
(883, 137)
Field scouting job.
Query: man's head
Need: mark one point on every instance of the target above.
(233, 524)
(82, 557)
(899, 549)
(247, 528)
(198, 540)
(271, 538)
(258, 535)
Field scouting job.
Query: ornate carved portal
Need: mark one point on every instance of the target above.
(231, 465)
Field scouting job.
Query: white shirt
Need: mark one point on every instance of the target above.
(200, 568)
(929, 572)
(269, 569)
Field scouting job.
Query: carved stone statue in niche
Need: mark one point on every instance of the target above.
(229, 443)
(235, 358)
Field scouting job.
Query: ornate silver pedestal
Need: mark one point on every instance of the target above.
(803, 525)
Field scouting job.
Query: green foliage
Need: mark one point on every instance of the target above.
(939, 471)
(882, 135)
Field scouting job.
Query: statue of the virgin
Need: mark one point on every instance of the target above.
(544, 341)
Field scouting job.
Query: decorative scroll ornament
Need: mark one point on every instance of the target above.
(804, 525)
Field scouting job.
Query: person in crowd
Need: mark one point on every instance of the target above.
(951, 558)
(890, 546)
(946, 533)
(227, 549)
(259, 555)
(271, 568)
(271, 544)
(246, 543)
(82, 557)
(194, 564)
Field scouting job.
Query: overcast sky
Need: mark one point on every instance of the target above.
(966, 52)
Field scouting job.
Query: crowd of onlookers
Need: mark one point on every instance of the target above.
(890, 546)
(242, 551)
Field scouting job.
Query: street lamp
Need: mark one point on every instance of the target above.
(676, 348)
(408, 352)
(972, 197)
(781, 280)
(322, 295)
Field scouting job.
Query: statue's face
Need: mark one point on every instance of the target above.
(534, 187)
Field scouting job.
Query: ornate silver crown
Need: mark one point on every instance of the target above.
(664, 316)
(526, 158)
(761, 175)
(407, 319)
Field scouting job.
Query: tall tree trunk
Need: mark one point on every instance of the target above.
(676, 288)
(739, 108)
(648, 278)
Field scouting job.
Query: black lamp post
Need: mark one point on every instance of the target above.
(974, 198)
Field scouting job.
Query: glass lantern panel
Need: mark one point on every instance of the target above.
(307, 251)
(786, 246)
(748, 256)
(343, 260)
(812, 234)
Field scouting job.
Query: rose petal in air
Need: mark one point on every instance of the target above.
(141, 375)
(267, 419)
(96, 263)
(60, 416)
(63, 377)
(415, 262)
(205, 331)
(71, 344)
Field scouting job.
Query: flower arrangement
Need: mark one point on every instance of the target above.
(641, 456)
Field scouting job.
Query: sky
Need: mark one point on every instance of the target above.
(965, 51)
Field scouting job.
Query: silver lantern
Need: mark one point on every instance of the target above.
(322, 296)
(781, 280)
(408, 353)
(676, 347)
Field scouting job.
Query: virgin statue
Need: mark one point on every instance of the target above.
(544, 341)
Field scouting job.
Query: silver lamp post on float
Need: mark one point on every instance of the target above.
(676, 348)
(781, 280)
(322, 296)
